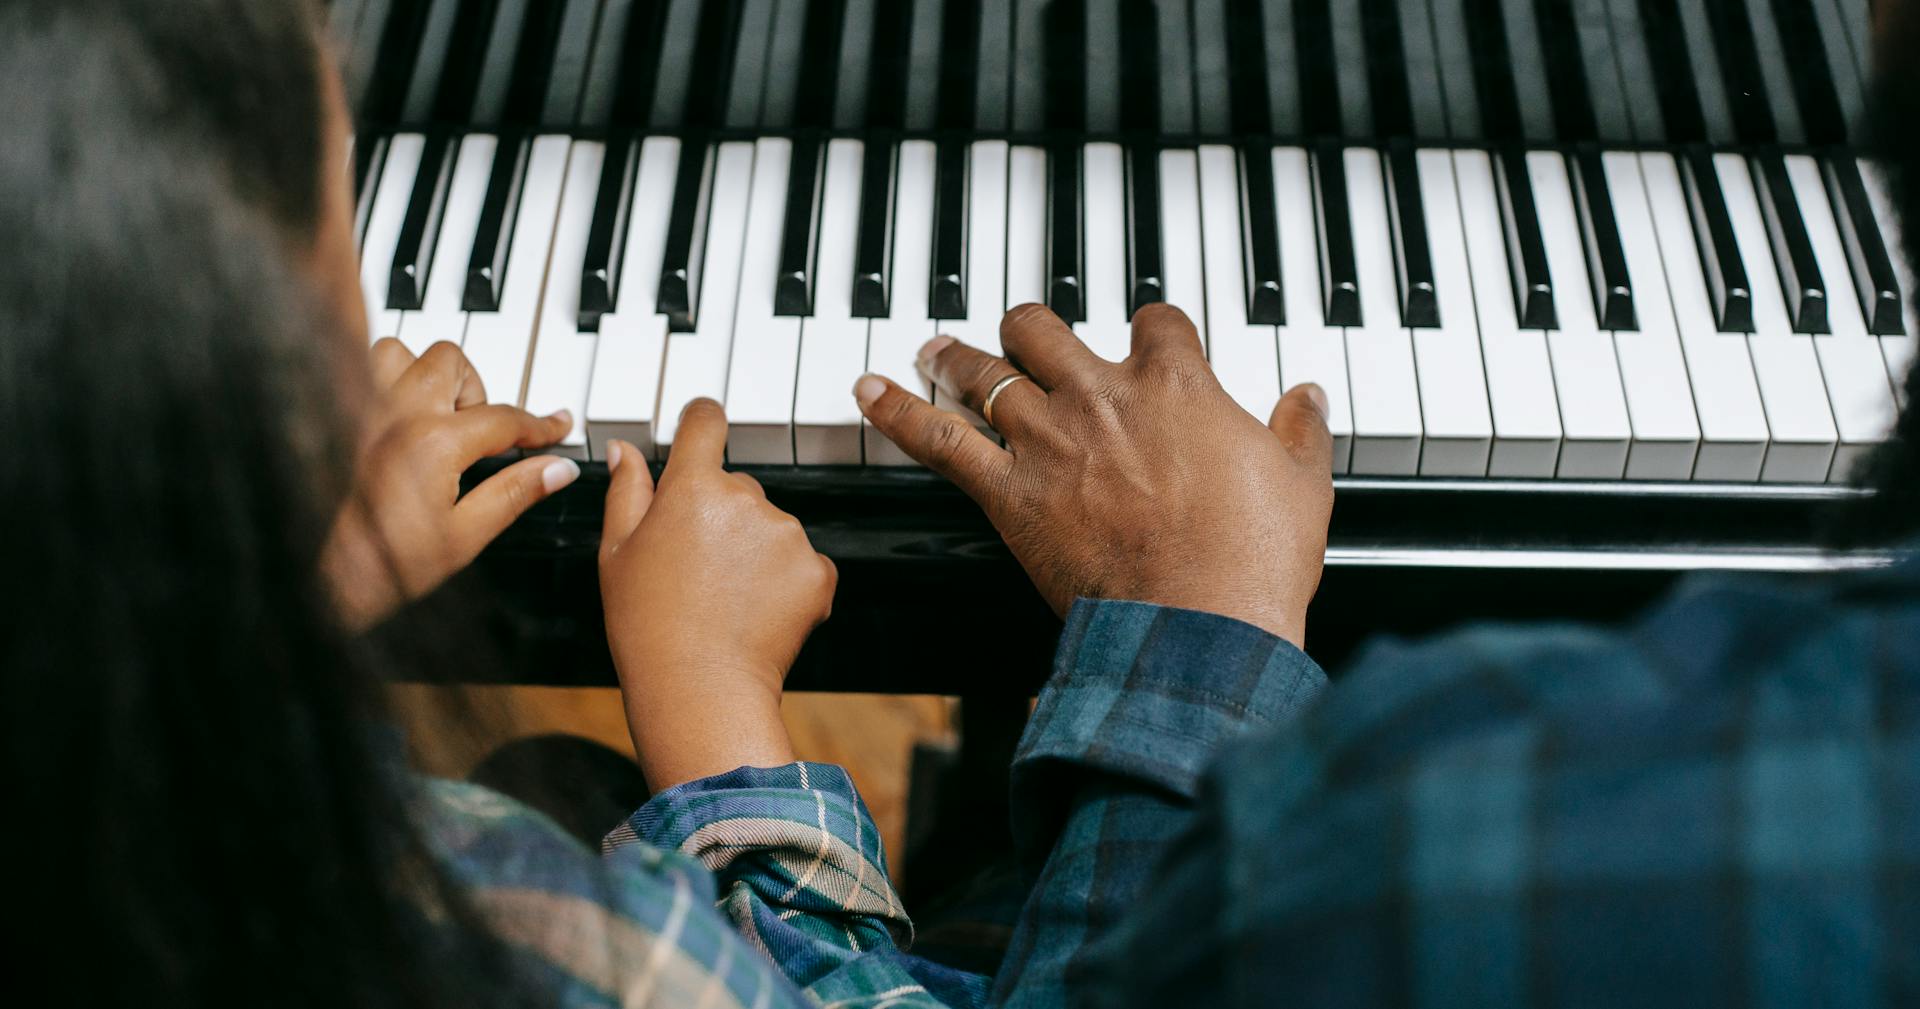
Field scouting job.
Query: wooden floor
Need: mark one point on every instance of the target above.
(872, 735)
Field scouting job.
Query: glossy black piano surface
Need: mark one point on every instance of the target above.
(1601, 289)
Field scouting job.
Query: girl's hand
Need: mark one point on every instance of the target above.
(709, 593)
(405, 528)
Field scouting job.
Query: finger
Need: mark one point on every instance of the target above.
(833, 582)
(490, 508)
(1301, 422)
(443, 379)
(751, 483)
(1160, 329)
(970, 376)
(490, 430)
(391, 359)
(702, 441)
(935, 438)
(1039, 344)
(629, 495)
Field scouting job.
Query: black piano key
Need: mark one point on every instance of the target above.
(533, 64)
(567, 69)
(1412, 254)
(959, 64)
(487, 267)
(1800, 281)
(393, 68)
(947, 297)
(1567, 86)
(1319, 76)
(607, 236)
(1140, 71)
(1339, 276)
(1526, 246)
(820, 67)
(1813, 83)
(465, 57)
(1673, 72)
(1873, 274)
(873, 243)
(1146, 268)
(1066, 237)
(369, 157)
(1493, 70)
(685, 256)
(420, 229)
(1066, 66)
(1386, 68)
(639, 64)
(1600, 233)
(800, 228)
(1260, 237)
(1247, 68)
(1740, 68)
(1720, 259)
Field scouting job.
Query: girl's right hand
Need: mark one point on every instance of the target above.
(709, 593)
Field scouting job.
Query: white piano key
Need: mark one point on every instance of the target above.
(1897, 350)
(500, 343)
(1103, 203)
(696, 363)
(561, 371)
(986, 249)
(766, 347)
(1310, 350)
(383, 231)
(633, 338)
(1520, 394)
(1653, 371)
(1733, 423)
(1850, 358)
(442, 316)
(1386, 391)
(1453, 383)
(893, 343)
(1595, 430)
(1245, 356)
(1026, 226)
(1784, 362)
(833, 344)
(1180, 239)
(986, 260)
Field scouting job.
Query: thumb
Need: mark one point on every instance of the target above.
(490, 508)
(629, 495)
(1301, 422)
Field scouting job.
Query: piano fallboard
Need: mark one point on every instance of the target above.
(930, 600)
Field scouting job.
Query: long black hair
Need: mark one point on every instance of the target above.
(200, 807)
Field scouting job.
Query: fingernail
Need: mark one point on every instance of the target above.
(563, 416)
(932, 349)
(867, 390)
(559, 473)
(614, 451)
(1318, 397)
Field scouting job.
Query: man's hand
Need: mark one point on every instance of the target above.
(709, 592)
(1142, 480)
(405, 528)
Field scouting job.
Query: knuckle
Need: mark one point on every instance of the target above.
(943, 439)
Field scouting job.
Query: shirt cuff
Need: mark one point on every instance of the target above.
(798, 836)
(1150, 693)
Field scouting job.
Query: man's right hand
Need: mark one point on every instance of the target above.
(1142, 480)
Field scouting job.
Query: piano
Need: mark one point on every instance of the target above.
(1601, 291)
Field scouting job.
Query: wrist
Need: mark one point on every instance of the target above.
(692, 720)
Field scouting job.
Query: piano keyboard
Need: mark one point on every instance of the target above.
(1675, 269)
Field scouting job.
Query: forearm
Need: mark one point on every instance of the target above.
(1140, 699)
(699, 723)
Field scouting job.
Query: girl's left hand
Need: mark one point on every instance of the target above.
(405, 528)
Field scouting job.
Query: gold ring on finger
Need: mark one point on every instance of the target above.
(986, 408)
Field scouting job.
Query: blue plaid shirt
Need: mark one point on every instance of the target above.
(1719, 804)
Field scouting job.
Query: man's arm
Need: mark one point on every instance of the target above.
(1140, 698)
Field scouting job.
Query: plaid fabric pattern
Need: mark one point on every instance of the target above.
(761, 888)
(1716, 806)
